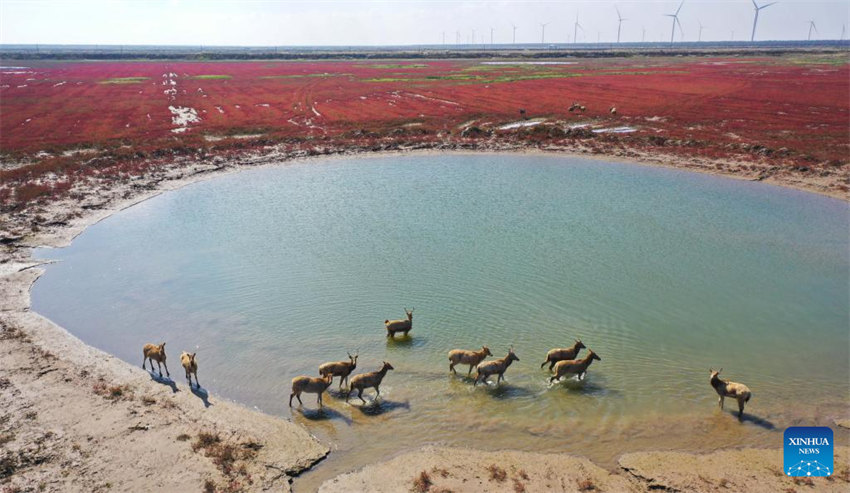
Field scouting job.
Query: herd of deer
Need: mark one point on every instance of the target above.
(562, 362)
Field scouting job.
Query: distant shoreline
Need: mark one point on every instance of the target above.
(423, 52)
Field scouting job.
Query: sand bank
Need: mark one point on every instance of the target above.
(452, 469)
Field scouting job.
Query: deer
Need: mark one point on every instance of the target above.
(726, 388)
(471, 358)
(310, 385)
(156, 353)
(394, 326)
(574, 366)
(191, 366)
(560, 354)
(340, 369)
(367, 380)
(495, 367)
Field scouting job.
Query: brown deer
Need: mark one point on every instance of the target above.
(340, 369)
(560, 354)
(310, 385)
(404, 326)
(156, 353)
(726, 388)
(574, 367)
(190, 364)
(368, 380)
(495, 367)
(471, 358)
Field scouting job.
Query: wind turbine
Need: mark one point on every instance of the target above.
(543, 33)
(699, 38)
(514, 25)
(620, 23)
(676, 21)
(756, 18)
(457, 37)
(643, 34)
(812, 26)
(491, 36)
(843, 29)
(576, 27)
(473, 36)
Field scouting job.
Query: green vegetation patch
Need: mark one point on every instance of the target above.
(125, 80)
(399, 65)
(210, 76)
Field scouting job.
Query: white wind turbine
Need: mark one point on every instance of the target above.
(514, 26)
(701, 27)
(543, 32)
(576, 27)
(620, 23)
(812, 26)
(756, 18)
(675, 22)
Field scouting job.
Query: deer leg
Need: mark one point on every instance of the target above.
(360, 395)
(551, 365)
(720, 402)
(378, 391)
(166, 369)
(554, 377)
(290, 398)
(452, 368)
(197, 383)
(469, 373)
(320, 400)
(158, 365)
(740, 408)
(145, 360)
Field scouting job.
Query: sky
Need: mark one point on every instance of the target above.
(402, 22)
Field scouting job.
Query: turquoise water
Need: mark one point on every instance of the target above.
(269, 272)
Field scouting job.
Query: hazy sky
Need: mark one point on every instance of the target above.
(340, 22)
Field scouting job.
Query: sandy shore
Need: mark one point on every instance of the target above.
(451, 469)
(73, 418)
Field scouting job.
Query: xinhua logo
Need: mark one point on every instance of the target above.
(808, 451)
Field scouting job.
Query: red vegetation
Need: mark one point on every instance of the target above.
(118, 113)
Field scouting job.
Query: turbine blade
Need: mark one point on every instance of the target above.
(755, 5)
(680, 7)
(768, 5)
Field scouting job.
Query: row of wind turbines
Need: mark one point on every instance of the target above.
(620, 19)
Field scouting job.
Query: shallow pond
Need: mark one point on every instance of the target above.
(269, 272)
